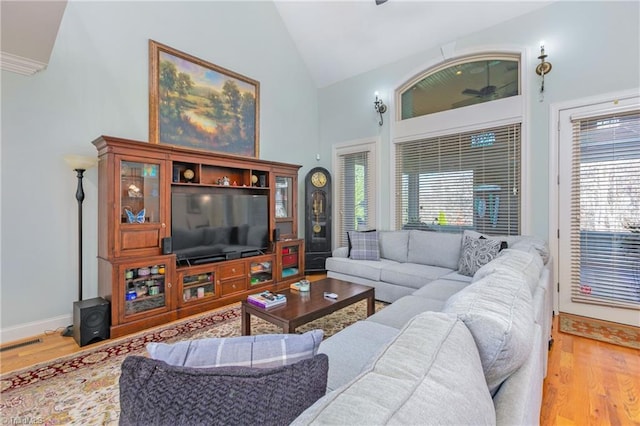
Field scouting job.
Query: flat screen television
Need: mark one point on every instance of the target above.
(210, 224)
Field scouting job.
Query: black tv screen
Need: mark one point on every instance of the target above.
(210, 224)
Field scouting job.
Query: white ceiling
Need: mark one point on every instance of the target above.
(28, 32)
(337, 39)
(340, 39)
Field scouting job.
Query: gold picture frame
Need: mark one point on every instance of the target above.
(196, 104)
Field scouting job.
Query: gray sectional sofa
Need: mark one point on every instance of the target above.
(451, 348)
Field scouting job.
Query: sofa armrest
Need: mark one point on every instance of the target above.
(341, 252)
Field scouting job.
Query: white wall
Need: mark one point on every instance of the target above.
(594, 48)
(97, 83)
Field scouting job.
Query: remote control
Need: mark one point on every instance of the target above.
(330, 295)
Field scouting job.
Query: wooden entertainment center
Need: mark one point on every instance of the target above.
(138, 270)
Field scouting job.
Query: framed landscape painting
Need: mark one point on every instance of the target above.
(196, 104)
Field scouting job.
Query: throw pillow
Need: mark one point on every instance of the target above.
(503, 244)
(364, 245)
(261, 351)
(476, 252)
(155, 393)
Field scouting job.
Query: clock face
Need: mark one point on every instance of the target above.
(188, 174)
(319, 179)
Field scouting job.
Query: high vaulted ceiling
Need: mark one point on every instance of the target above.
(337, 39)
(340, 39)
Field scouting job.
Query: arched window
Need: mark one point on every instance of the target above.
(461, 83)
(460, 168)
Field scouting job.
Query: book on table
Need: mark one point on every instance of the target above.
(267, 299)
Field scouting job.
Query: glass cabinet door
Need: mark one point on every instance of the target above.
(261, 272)
(145, 288)
(142, 209)
(139, 192)
(290, 260)
(197, 285)
(285, 204)
(284, 197)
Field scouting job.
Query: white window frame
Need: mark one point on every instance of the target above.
(371, 146)
(474, 117)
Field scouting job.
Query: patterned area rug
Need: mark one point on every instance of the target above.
(609, 332)
(83, 388)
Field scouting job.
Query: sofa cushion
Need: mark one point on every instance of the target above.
(369, 269)
(155, 393)
(529, 264)
(527, 243)
(456, 276)
(411, 274)
(498, 311)
(353, 348)
(441, 289)
(364, 245)
(394, 245)
(400, 312)
(477, 252)
(434, 248)
(261, 351)
(431, 373)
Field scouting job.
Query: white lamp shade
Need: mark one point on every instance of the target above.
(80, 161)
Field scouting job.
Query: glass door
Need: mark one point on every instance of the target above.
(197, 285)
(261, 271)
(145, 287)
(284, 203)
(141, 216)
(598, 215)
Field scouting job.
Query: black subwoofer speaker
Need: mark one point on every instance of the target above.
(91, 320)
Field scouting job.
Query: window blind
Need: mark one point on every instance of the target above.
(356, 209)
(460, 181)
(605, 210)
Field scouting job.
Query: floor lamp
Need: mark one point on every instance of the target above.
(79, 164)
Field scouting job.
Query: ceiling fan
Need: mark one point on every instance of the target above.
(379, 2)
(483, 92)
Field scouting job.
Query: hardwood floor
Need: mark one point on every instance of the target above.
(588, 382)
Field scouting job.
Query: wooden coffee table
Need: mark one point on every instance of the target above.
(302, 307)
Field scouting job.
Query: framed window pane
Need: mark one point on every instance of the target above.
(460, 181)
(461, 84)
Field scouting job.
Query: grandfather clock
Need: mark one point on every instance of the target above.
(317, 186)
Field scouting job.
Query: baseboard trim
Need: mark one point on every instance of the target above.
(33, 329)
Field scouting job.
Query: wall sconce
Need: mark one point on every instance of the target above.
(380, 107)
(543, 67)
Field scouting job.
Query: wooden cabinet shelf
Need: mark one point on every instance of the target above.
(136, 181)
